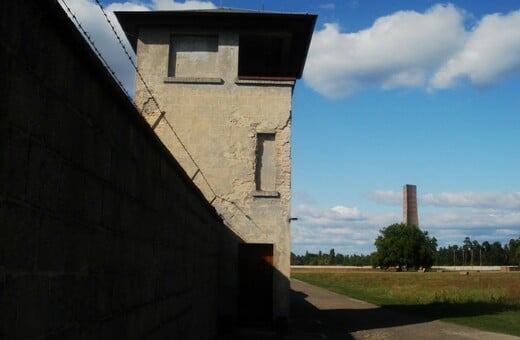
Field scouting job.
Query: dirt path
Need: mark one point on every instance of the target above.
(317, 313)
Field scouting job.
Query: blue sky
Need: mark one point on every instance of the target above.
(393, 93)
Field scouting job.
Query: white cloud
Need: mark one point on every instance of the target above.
(92, 20)
(508, 232)
(344, 228)
(409, 49)
(346, 212)
(326, 217)
(496, 200)
(398, 50)
(491, 53)
(120, 6)
(187, 5)
(464, 218)
(449, 217)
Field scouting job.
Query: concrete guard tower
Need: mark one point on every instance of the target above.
(410, 213)
(224, 81)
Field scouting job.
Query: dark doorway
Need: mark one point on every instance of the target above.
(255, 283)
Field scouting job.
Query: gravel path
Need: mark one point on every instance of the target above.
(317, 313)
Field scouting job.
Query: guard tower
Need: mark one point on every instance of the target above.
(224, 80)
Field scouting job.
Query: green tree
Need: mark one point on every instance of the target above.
(403, 245)
(518, 254)
(332, 257)
(467, 247)
(296, 260)
(485, 250)
(444, 256)
(496, 254)
(512, 251)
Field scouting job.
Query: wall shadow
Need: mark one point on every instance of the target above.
(338, 324)
(439, 310)
(308, 321)
(231, 323)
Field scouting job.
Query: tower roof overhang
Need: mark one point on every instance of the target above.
(299, 27)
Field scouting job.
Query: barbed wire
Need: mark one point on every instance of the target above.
(120, 41)
(162, 115)
(87, 37)
(152, 97)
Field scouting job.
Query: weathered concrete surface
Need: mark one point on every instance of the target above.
(320, 314)
(218, 119)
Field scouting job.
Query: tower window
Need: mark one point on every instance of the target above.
(265, 174)
(193, 56)
(263, 56)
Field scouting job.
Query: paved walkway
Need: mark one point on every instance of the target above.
(317, 313)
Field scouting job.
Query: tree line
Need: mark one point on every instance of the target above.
(329, 259)
(400, 245)
(473, 253)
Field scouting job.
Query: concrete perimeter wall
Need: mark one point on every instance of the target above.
(102, 234)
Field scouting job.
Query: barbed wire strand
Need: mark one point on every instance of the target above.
(120, 41)
(88, 38)
(170, 126)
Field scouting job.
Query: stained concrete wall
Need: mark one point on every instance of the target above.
(218, 119)
(102, 234)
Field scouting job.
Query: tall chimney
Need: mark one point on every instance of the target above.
(410, 215)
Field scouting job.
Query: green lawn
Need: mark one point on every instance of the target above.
(488, 301)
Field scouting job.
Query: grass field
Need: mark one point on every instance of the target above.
(488, 301)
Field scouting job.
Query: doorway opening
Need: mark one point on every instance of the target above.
(255, 283)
